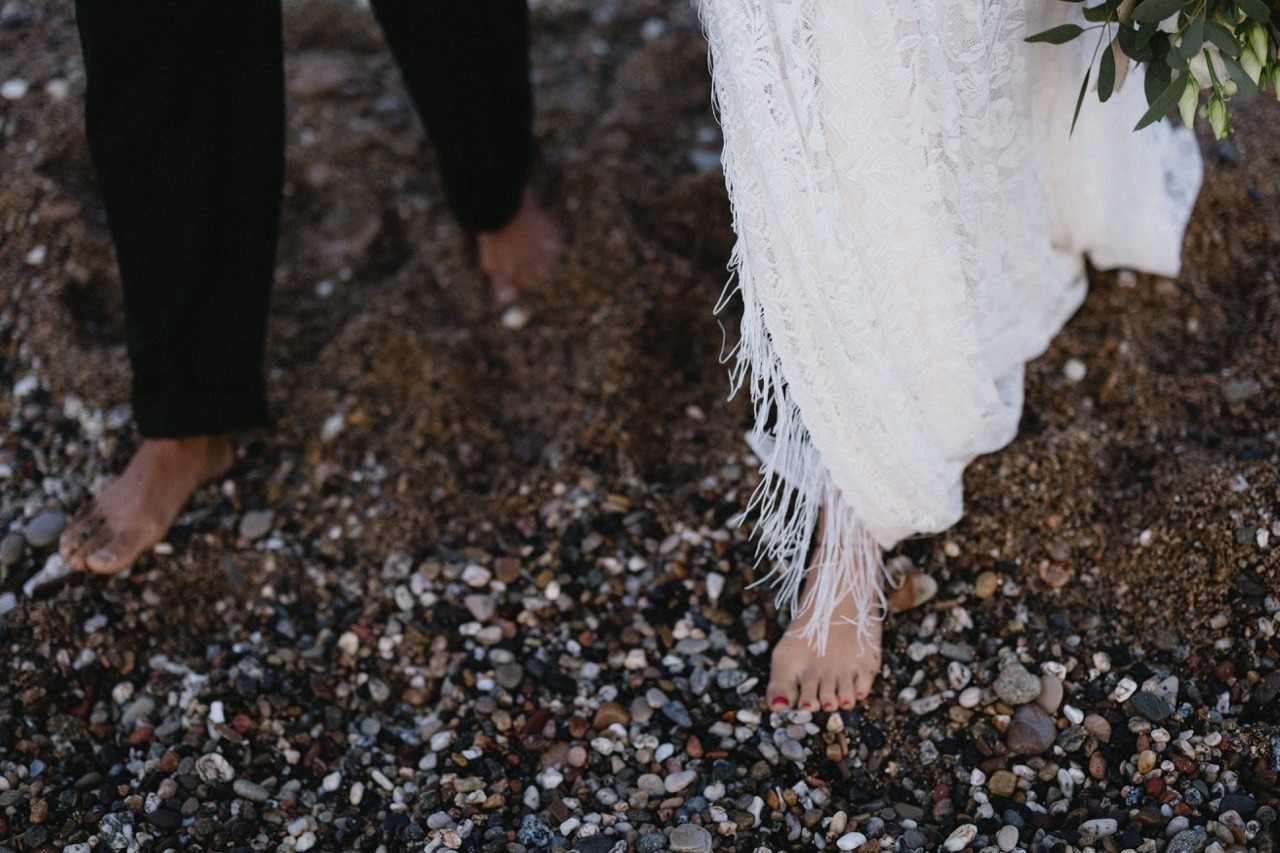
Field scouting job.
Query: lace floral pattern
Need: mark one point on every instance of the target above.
(912, 216)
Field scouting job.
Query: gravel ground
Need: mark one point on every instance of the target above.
(479, 588)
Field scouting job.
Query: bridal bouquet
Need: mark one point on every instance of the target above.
(1188, 47)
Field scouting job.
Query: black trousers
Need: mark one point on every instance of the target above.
(184, 112)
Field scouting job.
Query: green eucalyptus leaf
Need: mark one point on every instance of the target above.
(1146, 35)
(1107, 74)
(1162, 103)
(1096, 14)
(1057, 35)
(1176, 60)
(1192, 39)
(1158, 71)
(1080, 99)
(1255, 9)
(1221, 38)
(1154, 11)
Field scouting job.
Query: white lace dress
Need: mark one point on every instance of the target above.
(912, 217)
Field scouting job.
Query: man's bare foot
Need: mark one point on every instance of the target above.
(801, 677)
(521, 254)
(136, 510)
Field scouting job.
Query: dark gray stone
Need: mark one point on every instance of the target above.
(1151, 706)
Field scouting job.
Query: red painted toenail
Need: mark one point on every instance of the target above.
(779, 700)
(827, 706)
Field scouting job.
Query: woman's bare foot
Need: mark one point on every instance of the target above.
(801, 677)
(521, 254)
(136, 510)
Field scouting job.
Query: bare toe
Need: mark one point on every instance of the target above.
(827, 697)
(847, 689)
(809, 692)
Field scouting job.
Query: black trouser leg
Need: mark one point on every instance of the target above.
(185, 119)
(466, 65)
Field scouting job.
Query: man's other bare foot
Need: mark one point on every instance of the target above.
(521, 254)
(800, 677)
(136, 510)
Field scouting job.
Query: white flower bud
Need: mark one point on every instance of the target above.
(1187, 104)
(1250, 63)
(1258, 41)
(1218, 118)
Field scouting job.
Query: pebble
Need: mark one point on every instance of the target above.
(53, 572)
(970, 697)
(476, 576)
(534, 833)
(11, 549)
(1151, 706)
(960, 837)
(1187, 841)
(14, 89)
(679, 780)
(1099, 827)
(214, 768)
(1007, 838)
(43, 530)
(1031, 731)
(250, 790)
(690, 838)
(986, 585)
(1074, 370)
(1097, 726)
(677, 713)
(1002, 783)
(651, 842)
(1016, 686)
(851, 841)
(256, 523)
(1050, 697)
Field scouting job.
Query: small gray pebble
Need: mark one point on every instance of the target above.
(250, 790)
(43, 530)
(690, 838)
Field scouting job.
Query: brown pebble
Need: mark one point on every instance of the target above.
(1050, 693)
(506, 569)
(1098, 766)
(1055, 576)
(609, 713)
(693, 747)
(1098, 727)
(577, 756)
(1155, 786)
(1002, 783)
(578, 726)
(39, 810)
(916, 588)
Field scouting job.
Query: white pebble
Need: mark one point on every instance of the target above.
(14, 89)
(851, 841)
(332, 781)
(515, 318)
(970, 697)
(1074, 370)
(36, 256)
(476, 576)
(960, 839)
(1124, 689)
